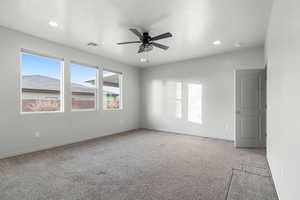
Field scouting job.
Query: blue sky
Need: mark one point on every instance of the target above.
(31, 65)
(81, 74)
(36, 65)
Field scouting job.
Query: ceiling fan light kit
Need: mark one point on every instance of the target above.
(146, 41)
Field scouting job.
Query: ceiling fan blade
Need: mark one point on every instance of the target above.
(164, 47)
(137, 33)
(142, 48)
(129, 42)
(162, 36)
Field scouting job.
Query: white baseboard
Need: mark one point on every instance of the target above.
(181, 133)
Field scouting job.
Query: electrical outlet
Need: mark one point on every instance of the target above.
(226, 127)
(37, 134)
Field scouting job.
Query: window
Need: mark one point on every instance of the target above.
(84, 85)
(178, 100)
(41, 84)
(112, 90)
(195, 103)
(157, 97)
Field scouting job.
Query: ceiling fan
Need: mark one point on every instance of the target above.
(147, 42)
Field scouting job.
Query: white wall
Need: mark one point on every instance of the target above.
(215, 73)
(283, 124)
(17, 132)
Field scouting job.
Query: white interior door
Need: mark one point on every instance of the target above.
(250, 108)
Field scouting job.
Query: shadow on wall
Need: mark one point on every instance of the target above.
(177, 100)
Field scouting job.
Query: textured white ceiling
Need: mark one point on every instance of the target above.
(195, 24)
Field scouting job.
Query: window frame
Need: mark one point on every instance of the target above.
(121, 74)
(61, 76)
(97, 86)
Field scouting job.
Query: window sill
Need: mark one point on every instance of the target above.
(44, 112)
(84, 110)
(112, 109)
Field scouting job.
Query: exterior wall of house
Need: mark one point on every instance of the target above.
(38, 95)
(42, 101)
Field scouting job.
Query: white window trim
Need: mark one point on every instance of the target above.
(97, 92)
(41, 112)
(83, 110)
(62, 70)
(121, 90)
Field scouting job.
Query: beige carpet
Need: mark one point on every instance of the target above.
(139, 165)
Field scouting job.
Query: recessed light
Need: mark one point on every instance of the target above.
(217, 42)
(53, 24)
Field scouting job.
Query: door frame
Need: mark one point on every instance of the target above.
(235, 106)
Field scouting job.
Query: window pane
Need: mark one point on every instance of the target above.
(178, 90)
(41, 84)
(178, 100)
(178, 109)
(195, 103)
(83, 86)
(112, 90)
